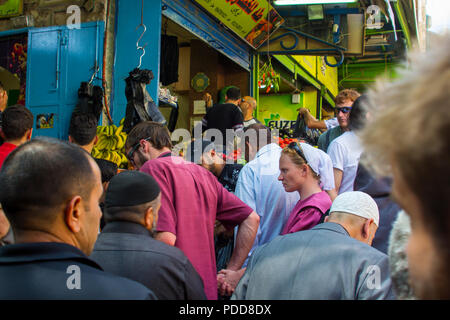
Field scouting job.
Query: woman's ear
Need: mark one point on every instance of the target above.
(305, 170)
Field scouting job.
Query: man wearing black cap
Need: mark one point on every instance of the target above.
(126, 247)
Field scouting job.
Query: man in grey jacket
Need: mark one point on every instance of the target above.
(332, 261)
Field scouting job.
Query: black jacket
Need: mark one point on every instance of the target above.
(49, 271)
(127, 249)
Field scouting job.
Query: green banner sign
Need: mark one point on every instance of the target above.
(252, 20)
(11, 8)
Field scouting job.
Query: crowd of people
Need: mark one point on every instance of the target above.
(303, 222)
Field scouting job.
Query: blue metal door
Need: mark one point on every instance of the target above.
(59, 59)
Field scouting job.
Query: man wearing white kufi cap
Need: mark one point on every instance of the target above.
(357, 212)
(332, 261)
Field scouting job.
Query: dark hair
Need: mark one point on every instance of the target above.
(16, 121)
(108, 169)
(357, 118)
(2, 87)
(197, 148)
(39, 177)
(154, 132)
(234, 93)
(83, 128)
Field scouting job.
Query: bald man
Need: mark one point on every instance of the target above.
(248, 107)
(332, 261)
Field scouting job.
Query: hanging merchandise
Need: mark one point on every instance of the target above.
(269, 78)
(140, 106)
(90, 98)
(111, 145)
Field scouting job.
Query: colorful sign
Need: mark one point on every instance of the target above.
(278, 111)
(252, 20)
(45, 121)
(11, 8)
(308, 63)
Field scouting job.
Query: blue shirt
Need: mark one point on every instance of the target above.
(259, 188)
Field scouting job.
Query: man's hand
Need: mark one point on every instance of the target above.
(227, 281)
(311, 122)
(166, 237)
(302, 111)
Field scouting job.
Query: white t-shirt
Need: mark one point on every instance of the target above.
(331, 123)
(345, 152)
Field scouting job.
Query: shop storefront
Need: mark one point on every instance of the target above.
(313, 85)
(42, 68)
(182, 32)
(210, 59)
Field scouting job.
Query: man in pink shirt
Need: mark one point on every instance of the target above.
(191, 200)
(17, 127)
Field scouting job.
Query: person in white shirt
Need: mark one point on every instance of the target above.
(258, 184)
(344, 98)
(345, 151)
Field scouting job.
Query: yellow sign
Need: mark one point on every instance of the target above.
(11, 8)
(327, 75)
(308, 63)
(252, 20)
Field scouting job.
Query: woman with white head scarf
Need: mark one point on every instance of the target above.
(308, 171)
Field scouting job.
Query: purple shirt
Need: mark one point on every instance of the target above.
(191, 200)
(307, 213)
